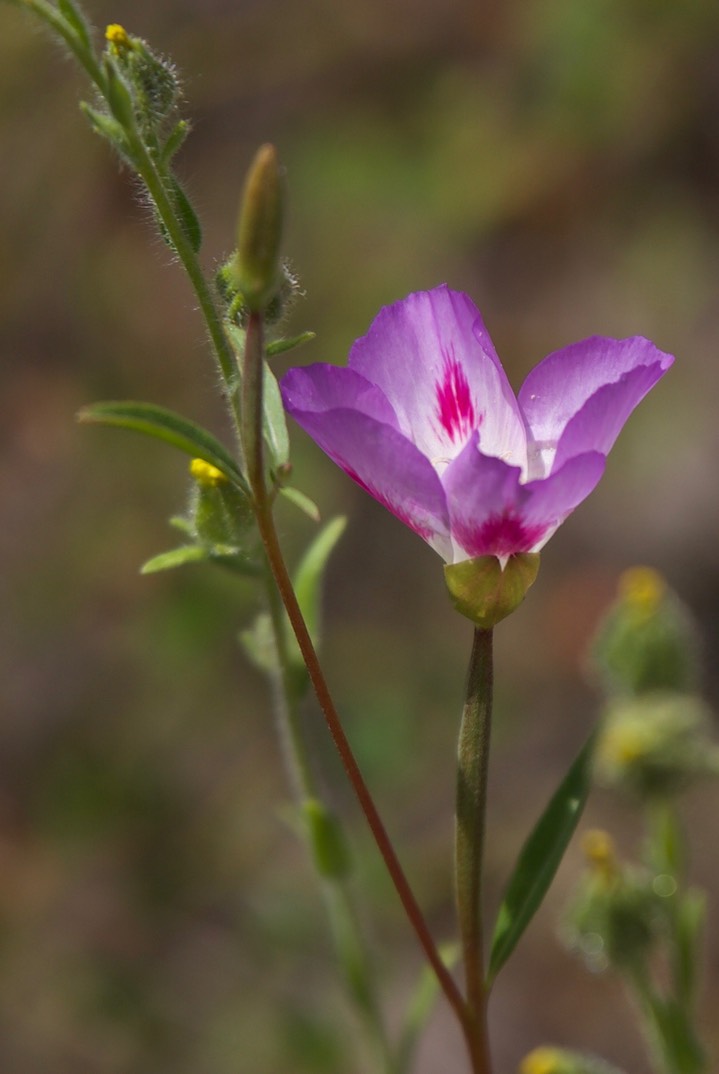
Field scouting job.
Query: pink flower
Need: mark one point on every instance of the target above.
(423, 418)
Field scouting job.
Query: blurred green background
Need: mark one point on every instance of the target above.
(559, 161)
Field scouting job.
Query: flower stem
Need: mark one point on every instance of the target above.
(472, 770)
(350, 945)
(252, 381)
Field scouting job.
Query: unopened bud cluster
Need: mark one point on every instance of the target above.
(153, 81)
(618, 912)
(655, 738)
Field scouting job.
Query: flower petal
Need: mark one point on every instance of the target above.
(493, 513)
(432, 357)
(598, 424)
(320, 387)
(561, 385)
(384, 463)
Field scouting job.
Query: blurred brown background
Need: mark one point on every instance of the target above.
(559, 161)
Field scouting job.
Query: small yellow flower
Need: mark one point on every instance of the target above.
(118, 36)
(598, 848)
(542, 1061)
(206, 474)
(623, 744)
(643, 589)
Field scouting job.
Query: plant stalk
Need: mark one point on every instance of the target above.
(472, 772)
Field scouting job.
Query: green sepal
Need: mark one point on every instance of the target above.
(118, 96)
(187, 215)
(73, 16)
(281, 346)
(539, 860)
(330, 852)
(163, 424)
(485, 592)
(301, 501)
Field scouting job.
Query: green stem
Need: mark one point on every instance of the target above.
(353, 955)
(84, 57)
(163, 201)
(472, 771)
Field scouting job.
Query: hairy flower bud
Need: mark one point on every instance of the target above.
(559, 1061)
(152, 80)
(648, 640)
(655, 745)
(259, 232)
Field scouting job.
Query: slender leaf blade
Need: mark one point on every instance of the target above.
(304, 503)
(539, 860)
(166, 425)
(309, 574)
(176, 557)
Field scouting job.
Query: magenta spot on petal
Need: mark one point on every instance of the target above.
(455, 408)
(500, 535)
(421, 529)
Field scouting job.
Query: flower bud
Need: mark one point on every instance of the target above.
(484, 591)
(153, 81)
(219, 514)
(329, 847)
(559, 1061)
(647, 640)
(655, 745)
(257, 261)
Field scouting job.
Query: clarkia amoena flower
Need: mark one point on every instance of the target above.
(423, 418)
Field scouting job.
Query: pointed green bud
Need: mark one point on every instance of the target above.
(257, 261)
(484, 591)
(329, 846)
(648, 640)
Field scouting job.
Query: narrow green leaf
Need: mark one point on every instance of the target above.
(305, 504)
(174, 141)
(420, 1006)
(163, 424)
(258, 641)
(539, 860)
(276, 437)
(176, 557)
(109, 128)
(281, 346)
(308, 577)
